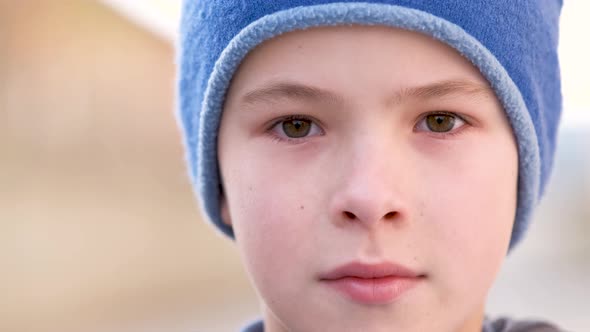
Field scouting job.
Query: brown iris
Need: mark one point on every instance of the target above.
(296, 128)
(440, 123)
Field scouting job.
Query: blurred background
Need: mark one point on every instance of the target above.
(99, 230)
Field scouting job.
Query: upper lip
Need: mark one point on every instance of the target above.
(369, 271)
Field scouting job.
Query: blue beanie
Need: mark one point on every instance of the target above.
(512, 43)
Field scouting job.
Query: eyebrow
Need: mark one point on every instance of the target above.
(290, 90)
(297, 91)
(443, 89)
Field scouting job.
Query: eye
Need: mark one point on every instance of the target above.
(296, 127)
(440, 122)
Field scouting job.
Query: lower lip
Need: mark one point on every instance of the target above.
(373, 291)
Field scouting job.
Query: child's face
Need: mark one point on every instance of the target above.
(368, 145)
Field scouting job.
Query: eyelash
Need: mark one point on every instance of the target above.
(438, 135)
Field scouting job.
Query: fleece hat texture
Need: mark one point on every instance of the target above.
(512, 43)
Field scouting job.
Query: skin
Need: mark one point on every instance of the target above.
(370, 182)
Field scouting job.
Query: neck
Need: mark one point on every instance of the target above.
(473, 323)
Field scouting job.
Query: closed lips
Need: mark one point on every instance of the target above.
(370, 271)
(376, 284)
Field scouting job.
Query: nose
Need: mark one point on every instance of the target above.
(369, 188)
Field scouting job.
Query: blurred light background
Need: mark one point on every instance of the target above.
(99, 230)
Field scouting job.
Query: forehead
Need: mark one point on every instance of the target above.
(343, 63)
(351, 62)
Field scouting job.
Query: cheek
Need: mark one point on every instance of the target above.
(469, 210)
(273, 223)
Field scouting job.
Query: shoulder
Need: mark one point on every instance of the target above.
(504, 324)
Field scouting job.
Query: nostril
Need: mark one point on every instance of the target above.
(349, 215)
(389, 215)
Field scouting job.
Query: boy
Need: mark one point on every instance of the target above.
(374, 161)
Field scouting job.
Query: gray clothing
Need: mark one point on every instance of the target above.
(489, 325)
(504, 324)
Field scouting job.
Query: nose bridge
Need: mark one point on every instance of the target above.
(371, 175)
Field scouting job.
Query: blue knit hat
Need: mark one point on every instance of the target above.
(512, 43)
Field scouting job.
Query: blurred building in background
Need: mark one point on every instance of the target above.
(99, 230)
